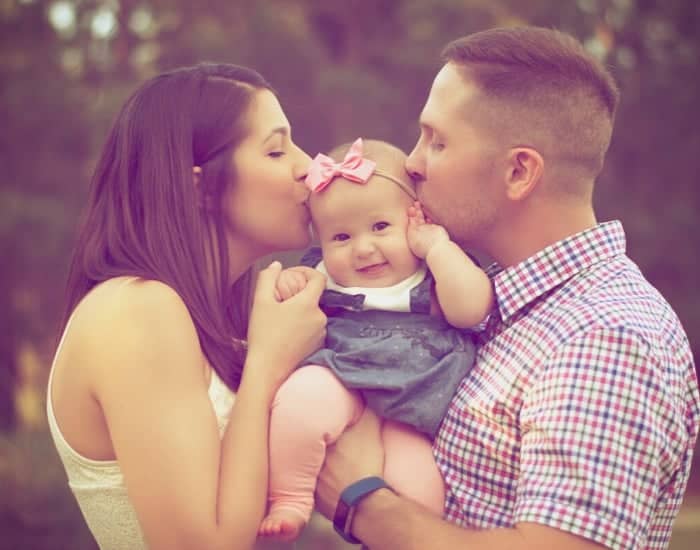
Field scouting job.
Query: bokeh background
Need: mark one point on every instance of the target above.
(343, 68)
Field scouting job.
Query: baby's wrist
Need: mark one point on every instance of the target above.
(437, 248)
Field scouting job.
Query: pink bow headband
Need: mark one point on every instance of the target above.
(354, 167)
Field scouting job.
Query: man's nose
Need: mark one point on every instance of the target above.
(415, 164)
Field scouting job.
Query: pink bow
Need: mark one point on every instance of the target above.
(354, 167)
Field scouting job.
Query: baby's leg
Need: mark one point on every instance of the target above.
(311, 409)
(409, 466)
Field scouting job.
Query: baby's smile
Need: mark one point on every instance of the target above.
(374, 269)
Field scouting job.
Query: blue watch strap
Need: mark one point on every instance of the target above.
(351, 495)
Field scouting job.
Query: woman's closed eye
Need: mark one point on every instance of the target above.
(275, 154)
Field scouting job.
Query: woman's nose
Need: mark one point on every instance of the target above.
(301, 167)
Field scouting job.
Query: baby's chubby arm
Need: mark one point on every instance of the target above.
(463, 290)
(291, 281)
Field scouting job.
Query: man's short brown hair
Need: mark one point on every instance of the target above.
(540, 87)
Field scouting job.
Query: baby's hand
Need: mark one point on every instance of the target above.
(291, 281)
(422, 234)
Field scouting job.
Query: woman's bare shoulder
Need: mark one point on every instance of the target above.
(135, 319)
(132, 300)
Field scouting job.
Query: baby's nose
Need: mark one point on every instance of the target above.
(364, 247)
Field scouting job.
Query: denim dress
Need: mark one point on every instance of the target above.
(407, 365)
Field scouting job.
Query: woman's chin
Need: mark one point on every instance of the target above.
(296, 241)
(300, 241)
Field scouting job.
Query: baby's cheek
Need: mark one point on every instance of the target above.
(336, 265)
(411, 261)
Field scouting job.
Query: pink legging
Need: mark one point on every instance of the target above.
(310, 411)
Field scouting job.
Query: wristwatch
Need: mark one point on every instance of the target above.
(349, 498)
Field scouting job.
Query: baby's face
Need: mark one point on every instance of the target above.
(362, 230)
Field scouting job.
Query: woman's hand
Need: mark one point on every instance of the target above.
(290, 282)
(281, 334)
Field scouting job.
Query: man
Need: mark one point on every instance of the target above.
(576, 427)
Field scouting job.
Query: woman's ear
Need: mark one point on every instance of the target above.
(197, 176)
(202, 200)
(524, 172)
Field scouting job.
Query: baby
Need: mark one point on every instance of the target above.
(399, 295)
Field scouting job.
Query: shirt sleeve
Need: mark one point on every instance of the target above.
(595, 430)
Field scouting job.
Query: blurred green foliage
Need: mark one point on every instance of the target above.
(343, 68)
(36, 509)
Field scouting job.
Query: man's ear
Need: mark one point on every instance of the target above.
(524, 172)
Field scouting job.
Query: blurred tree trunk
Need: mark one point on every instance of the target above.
(8, 368)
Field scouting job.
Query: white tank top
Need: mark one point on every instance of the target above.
(98, 485)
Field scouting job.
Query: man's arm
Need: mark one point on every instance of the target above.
(601, 405)
(384, 520)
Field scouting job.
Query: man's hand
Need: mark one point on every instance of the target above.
(290, 282)
(357, 454)
(423, 235)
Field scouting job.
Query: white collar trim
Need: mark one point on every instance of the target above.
(392, 298)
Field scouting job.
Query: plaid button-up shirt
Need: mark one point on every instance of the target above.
(582, 410)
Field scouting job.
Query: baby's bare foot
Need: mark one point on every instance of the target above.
(282, 525)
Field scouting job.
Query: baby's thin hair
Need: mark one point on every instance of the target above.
(372, 148)
(375, 150)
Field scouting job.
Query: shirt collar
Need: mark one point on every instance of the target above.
(519, 285)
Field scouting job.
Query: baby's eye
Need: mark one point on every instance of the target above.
(341, 237)
(380, 225)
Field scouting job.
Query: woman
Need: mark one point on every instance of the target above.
(199, 178)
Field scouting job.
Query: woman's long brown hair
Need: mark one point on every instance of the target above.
(146, 218)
